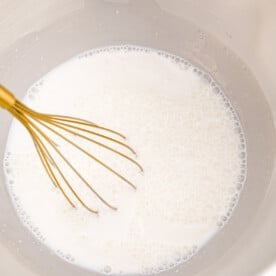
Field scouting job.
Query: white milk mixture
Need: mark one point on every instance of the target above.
(188, 139)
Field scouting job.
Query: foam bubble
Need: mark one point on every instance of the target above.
(107, 269)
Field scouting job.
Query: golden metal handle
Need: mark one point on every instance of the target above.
(7, 99)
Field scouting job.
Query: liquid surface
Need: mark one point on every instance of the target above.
(187, 137)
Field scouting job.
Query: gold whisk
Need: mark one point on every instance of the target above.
(35, 122)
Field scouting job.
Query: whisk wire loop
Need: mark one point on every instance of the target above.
(37, 124)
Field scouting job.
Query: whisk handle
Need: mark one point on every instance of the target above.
(7, 99)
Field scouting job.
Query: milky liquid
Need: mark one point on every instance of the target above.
(188, 139)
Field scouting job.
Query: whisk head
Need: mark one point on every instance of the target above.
(40, 125)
